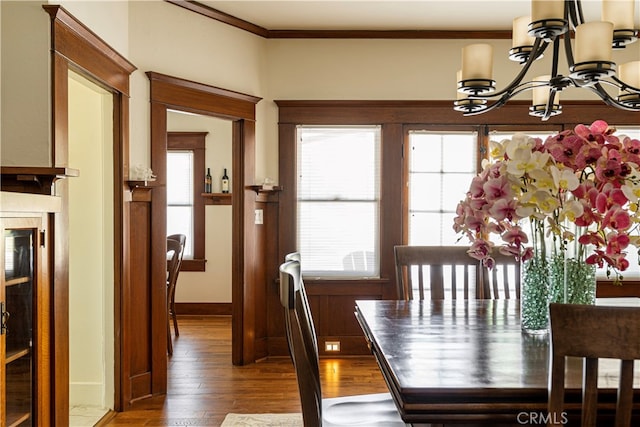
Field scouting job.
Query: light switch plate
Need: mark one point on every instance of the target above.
(259, 216)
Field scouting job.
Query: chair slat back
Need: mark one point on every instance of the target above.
(503, 280)
(302, 341)
(173, 261)
(442, 271)
(593, 332)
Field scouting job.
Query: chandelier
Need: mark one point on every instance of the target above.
(555, 23)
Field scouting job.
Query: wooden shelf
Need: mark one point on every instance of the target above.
(15, 420)
(217, 198)
(17, 281)
(260, 189)
(15, 355)
(36, 180)
(133, 184)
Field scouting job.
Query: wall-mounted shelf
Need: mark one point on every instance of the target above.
(261, 189)
(134, 184)
(33, 179)
(217, 198)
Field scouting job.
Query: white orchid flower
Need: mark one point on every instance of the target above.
(564, 179)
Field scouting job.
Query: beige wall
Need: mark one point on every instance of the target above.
(24, 140)
(91, 291)
(171, 40)
(213, 284)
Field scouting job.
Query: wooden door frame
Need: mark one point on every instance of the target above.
(74, 46)
(167, 92)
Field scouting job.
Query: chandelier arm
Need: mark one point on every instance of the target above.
(548, 109)
(622, 85)
(612, 102)
(504, 98)
(568, 50)
(573, 8)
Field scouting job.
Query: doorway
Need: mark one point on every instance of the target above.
(167, 92)
(204, 286)
(91, 250)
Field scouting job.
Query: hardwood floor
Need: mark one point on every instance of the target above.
(204, 386)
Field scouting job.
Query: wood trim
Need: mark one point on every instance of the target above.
(199, 98)
(241, 24)
(347, 112)
(74, 46)
(220, 16)
(81, 46)
(172, 92)
(387, 34)
(204, 308)
(196, 143)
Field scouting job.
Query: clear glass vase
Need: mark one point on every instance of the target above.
(534, 295)
(559, 278)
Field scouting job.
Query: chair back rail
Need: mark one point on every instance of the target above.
(302, 341)
(593, 332)
(453, 273)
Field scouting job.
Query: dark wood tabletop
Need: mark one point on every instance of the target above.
(467, 360)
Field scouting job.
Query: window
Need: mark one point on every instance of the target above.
(185, 206)
(441, 166)
(180, 196)
(338, 200)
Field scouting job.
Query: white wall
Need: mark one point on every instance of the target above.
(91, 257)
(213, 284)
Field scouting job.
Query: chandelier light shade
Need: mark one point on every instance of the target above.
(590, 59)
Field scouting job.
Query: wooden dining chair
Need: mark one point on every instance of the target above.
(503, 280)
(370, 410)
(173, 266)
(593, 332)
(171, 290)
(438, 272)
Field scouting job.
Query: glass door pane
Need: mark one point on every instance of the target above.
(19, 332)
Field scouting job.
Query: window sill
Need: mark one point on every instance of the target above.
(193, 265)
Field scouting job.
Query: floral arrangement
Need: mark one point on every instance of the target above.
(580, 186)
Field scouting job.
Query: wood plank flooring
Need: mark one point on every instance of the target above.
(204, 385)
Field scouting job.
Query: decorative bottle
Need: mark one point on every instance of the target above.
(225, 182)
(207, 181)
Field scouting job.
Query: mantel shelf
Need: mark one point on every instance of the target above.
(217, 198)
(33, 179)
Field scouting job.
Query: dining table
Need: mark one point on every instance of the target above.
(469, 361)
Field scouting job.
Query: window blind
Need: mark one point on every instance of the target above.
(180, 207)
(338, 200)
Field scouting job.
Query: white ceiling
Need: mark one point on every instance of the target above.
(386, 15)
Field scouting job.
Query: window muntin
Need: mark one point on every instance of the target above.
(441, 166)
(338, 200)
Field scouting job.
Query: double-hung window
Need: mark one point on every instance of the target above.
(185, 206)
(338, 200)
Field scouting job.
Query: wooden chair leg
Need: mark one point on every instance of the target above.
(175, 319)
(169, 342)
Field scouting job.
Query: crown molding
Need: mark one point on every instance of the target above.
(233, 21)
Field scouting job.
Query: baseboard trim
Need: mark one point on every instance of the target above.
(204, 308)
(106, 418)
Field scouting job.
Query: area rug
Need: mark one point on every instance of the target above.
(262, 420)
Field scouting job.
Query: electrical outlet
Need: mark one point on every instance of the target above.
(332, 346)
(259, 216)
